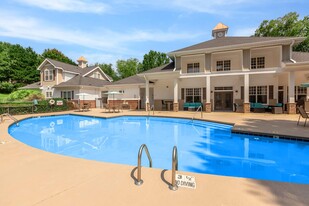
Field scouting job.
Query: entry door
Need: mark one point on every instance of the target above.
(224, 101)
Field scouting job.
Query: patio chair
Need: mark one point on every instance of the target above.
(106, 107)
(303, 114)
(86, 107)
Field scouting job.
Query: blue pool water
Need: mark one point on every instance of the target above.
(203, 147)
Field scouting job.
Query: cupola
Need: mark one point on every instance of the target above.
(82, 62)
(220, 31)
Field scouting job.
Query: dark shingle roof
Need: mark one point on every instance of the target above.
(131, 80)
(165, 68)
(84, 81)
(65, 66)
(35, 85)
(231, 41)
(300, 56)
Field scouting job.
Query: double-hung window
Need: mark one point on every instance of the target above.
(258, 63)
(224, 65)
(193, 68)
(193, 95)
(258, 94)
(49, 75)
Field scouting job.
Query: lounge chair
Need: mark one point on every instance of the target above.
(303, 114)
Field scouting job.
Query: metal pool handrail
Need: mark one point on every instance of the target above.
(151, 108)
(10, 116)
(199, 108)
(139, 180)
(173, 186)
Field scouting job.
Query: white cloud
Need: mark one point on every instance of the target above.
(219, 7)
(78, 6)
(244, 31)
(18, 26)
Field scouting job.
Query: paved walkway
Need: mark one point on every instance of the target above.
(29, 176)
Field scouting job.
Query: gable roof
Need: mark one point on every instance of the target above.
(300, 56)
(74, 69)
(135, 79)
(35, 85)
(236, 41)
(64, 66)
(84, 81)
(164, 68)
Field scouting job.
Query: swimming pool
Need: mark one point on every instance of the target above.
(203, 147)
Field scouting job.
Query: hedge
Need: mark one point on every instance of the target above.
(43, 106)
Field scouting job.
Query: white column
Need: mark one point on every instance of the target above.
(207, 89)
(175, 90)
(246, 88)
(147, 91)
(291, 79)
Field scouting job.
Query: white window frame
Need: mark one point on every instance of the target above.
(49, 75)
(48, 94)
(258, 63)
(193, 92)
(223, 65)
(193, 67)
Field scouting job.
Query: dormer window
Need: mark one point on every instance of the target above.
(97, 75)
(49, 75)
(224, 65)
(193, 68)
(258, 63)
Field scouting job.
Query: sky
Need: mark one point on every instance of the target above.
(107, 31)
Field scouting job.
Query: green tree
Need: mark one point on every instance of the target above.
(24, 63)
(18, 65)
(153, 59)
(108, 69)
(57, 55)
(5, 69)
(126, 68)
(289, 26)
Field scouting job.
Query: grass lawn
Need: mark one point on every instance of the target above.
(3, 97)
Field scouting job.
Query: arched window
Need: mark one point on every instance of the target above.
(49, 74)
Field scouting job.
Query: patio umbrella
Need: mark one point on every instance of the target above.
(113, 93)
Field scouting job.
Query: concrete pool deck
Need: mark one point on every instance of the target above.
(34, 177)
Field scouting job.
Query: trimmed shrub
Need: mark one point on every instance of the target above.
(25, 95)
(6, 87)
(24, 107)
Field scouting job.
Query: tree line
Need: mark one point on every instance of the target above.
(18, 65)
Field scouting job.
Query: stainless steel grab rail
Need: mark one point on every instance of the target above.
(10, 116)
(199, 108)
(151, 108)
(139, 180)
(173, 186)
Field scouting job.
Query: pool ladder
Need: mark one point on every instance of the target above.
(10, 116)
(173, 186)
(139, 180)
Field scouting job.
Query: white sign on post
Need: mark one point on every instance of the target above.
(185, 181)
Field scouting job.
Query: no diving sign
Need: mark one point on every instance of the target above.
(185, 181)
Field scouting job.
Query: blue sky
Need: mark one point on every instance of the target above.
(105, 31)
